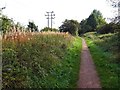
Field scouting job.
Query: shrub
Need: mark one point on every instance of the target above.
(108, 28)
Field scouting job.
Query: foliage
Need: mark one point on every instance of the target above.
(105, 41)
(6, 23)
(116, 20)
(19, 27)
(70, 26)
(49, 29)
(84, 27)
(92, 22)
(107, 70)
(43, 60)
(32, 26)
(112, 43)
(108, 28)
(103, 49)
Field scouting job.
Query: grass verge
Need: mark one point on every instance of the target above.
(106, 68)
(66, 74)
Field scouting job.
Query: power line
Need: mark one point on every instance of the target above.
(50, 15)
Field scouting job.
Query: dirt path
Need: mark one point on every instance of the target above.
(88, 77)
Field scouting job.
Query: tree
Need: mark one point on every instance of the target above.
(115, 4)
(49, 29)
(20, 27)
(108, 28)
(33, 27)
(94, 21)
(84, 27)
(70, 26)
(6, 23)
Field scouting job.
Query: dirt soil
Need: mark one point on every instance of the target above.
(88, 77)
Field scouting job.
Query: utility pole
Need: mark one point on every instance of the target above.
(50, 15)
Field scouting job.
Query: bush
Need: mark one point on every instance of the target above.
(49, 29)
(108, 28)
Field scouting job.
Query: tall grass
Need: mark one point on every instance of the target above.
(103, 52)
(40, 60)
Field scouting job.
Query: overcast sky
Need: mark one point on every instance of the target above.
(27, 10)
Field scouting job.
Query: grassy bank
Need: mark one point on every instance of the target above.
(104, 60)
(45, 60)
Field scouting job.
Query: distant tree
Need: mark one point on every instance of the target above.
(19, 27)
(49, 29)
(6, 23)
(84, 27)
(33, 27)
(115, 4)
(45, 29)
(70, 26)
(55, 30)
(94, 21)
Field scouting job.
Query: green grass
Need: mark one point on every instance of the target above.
(45, 61)
(105, 62)
(65, 75)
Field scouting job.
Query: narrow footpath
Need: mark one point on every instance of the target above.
(88, 77)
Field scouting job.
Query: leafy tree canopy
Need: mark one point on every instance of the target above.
(32, 26)
(6, 23)
(94, 21)
(49, 29)
(70, 26)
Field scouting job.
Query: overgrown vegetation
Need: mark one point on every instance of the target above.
(49, 29)
(33, 59)
(103, 49)
(108, 28)
(43, 60)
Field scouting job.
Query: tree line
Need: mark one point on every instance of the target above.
(8, 24)
(95, 22)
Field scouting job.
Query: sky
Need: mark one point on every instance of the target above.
(24, 11)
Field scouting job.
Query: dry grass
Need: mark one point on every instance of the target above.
(23, 36)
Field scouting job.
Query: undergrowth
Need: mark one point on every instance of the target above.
(103, 52)
(45, 61)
